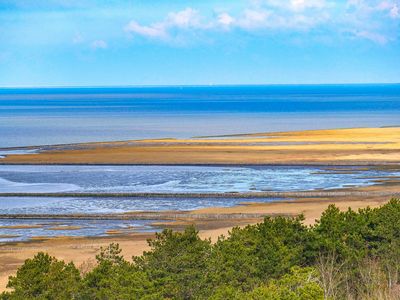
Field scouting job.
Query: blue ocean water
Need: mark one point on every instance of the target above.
(39, 116)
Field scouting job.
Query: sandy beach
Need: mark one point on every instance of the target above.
(360, 146)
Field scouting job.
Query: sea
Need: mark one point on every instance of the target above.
(47, 116)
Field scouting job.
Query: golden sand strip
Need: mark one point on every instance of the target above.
(339, 146)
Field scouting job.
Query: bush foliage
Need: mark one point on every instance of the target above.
(345, 255)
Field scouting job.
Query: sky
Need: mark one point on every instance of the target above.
(193, 42)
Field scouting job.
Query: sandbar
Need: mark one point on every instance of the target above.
(354, 146)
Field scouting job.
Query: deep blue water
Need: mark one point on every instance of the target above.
(70, 115)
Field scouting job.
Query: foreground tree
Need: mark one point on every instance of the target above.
(116, 278)
(297, 284)
(177, 263)
(44, 277)
(257, 253)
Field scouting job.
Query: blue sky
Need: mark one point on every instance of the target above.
(161, 42)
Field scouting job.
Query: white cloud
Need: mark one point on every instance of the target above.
(305, 4)
(384, 5)
(99, 44)
(253, 19)
(363, 18)
(394, 12)
(369, 19)
(372, 36)
(272, 20)
(296, 5)
(296, 15)
(391, 7)
(154, 31)
(184, 19)
(225, 19)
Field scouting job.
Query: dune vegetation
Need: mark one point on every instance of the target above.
(344, 255)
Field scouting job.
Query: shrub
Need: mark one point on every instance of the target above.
(44, 277)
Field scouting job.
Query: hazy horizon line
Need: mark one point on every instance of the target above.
(191, 85)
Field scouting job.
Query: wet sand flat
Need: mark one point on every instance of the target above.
(358, 146)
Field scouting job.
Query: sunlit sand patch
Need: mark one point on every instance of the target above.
(64, 227)
(21, 226)
(111, 232)
(124, 230)
(51, 223)
(9, 236)
(53, 238)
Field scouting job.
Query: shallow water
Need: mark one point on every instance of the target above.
(26, 229)
(165, 179)
(104, 205)
(181, 179)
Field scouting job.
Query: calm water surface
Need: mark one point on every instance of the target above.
(56, 116)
